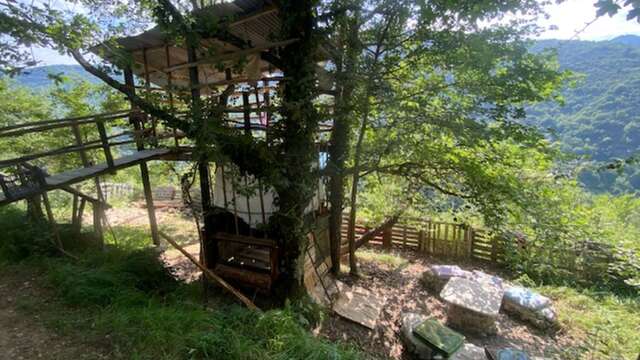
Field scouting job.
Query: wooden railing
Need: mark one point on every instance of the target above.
(435, 238)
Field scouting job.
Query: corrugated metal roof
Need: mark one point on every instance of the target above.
(255, 21)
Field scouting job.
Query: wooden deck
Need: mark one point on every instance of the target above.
(66, 178)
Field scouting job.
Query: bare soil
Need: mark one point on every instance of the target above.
(401, 287)
(22, 333)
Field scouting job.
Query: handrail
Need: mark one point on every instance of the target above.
(104, 116)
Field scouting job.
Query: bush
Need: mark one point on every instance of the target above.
(117, 276)
(21, 238)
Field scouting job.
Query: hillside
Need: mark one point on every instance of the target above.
(38, 77)
(600, 118)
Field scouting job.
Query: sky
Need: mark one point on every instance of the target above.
(569, 17)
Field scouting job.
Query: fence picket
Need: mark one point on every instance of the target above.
(437, 238)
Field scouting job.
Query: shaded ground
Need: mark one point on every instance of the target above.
(22, 335)
(397, 279)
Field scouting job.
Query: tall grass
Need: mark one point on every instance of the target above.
(607, 326)
(125, 300)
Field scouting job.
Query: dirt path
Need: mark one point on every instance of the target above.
(22, 334)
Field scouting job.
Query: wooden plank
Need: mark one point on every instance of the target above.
(77, 175)
(359, 305)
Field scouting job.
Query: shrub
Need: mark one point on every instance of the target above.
(21, 238)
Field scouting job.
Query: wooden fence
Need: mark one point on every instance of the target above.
(435, 238)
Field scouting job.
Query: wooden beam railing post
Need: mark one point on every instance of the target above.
(247, 113)
(105, 142)
(386, 238)
(144, 169)
(170, 93)
(494, 249)
(79, 217)
(97, 222)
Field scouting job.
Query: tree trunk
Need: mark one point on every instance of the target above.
(339, 147)
(353, 264)
(300, 123)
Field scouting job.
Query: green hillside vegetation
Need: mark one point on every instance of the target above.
(600, 117)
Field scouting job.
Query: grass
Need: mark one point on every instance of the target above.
(129, 303)
(380, 257)
(125, 301)
(606, 325)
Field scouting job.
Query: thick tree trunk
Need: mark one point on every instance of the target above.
(353, 263)
(300, 120)
(339, 148)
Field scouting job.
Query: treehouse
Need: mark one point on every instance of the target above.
(237, 67)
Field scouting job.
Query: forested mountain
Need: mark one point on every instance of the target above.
(40, 77)
(601, 115)
(600, 118)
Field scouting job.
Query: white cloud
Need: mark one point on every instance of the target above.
(572, 15)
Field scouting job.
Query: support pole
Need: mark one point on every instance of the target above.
(97, 222)
(210, 250)
(211, 275)
(144, 169)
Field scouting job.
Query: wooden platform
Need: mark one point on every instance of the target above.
(77, 175)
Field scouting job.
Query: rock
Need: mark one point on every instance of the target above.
(521, 297)
(415, 346)
(529, 306)
(486, 279)
(435, 278)
(469, 352)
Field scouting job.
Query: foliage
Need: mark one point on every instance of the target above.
(69, 98)
(598, 118)
(551, 238)
(21, 238)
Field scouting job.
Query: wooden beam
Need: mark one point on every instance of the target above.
(210, 274)
(105, 142)
(69, 121)
(57, 125)
(97, 223)
(237, 80)
(229, 56)
(144, 169)
(366, 237)
(258, 14)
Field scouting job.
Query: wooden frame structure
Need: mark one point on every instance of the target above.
(171, 71)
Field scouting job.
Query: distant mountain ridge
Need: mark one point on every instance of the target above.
(38, 78)
(601, 115)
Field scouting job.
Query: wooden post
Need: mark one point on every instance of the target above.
(84, 158)
(209, 249)
(105, 142)
(386, 238)
(79, 216)
(74, 211)
(472, 239)
(170, 93)
(147, 87)
(52, 221)
(144, 169)
(404, 236)
(421, 246)
(97, 222)
(247, 113)
(494, 249)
